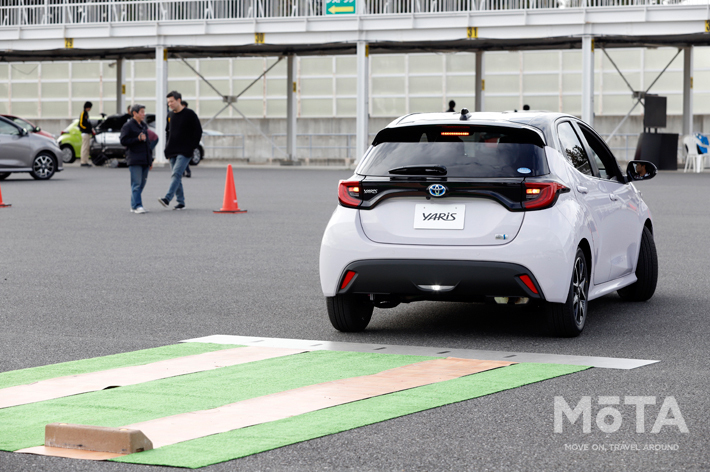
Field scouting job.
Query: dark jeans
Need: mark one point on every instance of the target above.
(139, 176)
(178, 165)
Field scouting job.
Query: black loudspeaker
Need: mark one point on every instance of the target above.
(655, 113)
(658, 148)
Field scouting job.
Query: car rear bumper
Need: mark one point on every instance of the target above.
(545, 246)
(439, 279)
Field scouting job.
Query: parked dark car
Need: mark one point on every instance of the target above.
(106, 145)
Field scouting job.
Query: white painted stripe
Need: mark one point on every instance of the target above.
(601, 362)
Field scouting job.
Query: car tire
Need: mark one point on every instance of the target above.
(646, 271)
(567, 319)
(196, 157)
(349, 313)
(4, 175)
(44, 165)
(68, 155)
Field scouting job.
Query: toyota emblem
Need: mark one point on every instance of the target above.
(436, 190)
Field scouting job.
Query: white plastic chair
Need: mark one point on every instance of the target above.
(693, 160)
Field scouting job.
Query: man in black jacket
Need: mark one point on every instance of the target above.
(183, 134)
(139, 156)
(87, 131)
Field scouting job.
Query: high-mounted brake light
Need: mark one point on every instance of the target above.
(454, 133)
(349, 194)
(539, 195)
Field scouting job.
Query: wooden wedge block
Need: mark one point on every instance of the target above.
(96, 438)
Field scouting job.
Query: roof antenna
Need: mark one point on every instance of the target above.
(465, 115)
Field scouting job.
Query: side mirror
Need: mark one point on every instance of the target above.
(23, 132)
(37, 129)
(641, 170)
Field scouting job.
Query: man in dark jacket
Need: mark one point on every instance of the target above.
(87, 131)
(183, 134)
(139, 155)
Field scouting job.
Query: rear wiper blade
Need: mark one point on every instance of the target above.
(419, 170)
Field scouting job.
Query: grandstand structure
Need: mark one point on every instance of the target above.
(55, 30)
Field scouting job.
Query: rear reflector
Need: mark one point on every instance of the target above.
(348, 277)
(529, 283)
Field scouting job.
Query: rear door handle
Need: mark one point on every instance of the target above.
(581, 189)
(613, 197)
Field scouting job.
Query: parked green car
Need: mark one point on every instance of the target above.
(70, 141)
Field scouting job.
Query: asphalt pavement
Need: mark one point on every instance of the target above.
(81, 277)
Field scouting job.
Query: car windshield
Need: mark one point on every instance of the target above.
(457, 151)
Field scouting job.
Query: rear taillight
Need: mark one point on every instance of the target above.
(349, 193)
(63, 132)
(539, 195)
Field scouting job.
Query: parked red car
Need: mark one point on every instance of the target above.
(28, 126)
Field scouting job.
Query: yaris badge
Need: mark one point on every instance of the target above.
(436, 190)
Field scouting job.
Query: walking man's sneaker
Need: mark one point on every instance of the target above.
(139, 210)
(86, 165)
(179, 206)
(164, 202)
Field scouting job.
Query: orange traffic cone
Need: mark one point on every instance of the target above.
(230, 205)
(3, 205)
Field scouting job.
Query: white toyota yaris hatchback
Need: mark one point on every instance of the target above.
(507, 207)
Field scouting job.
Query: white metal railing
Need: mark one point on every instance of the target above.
(224, 146)
(62, 12)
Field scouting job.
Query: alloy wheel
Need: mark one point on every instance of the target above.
(67, 154)
(579, 288)
(43, 166)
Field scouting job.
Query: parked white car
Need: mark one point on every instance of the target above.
(505, 207)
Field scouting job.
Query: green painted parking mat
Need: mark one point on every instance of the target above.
(264, 437)
(23, 426)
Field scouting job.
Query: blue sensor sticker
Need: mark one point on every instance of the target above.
(524, 170)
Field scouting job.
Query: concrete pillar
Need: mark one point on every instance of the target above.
(362, 127)
(121, 86)
(480, 81)
(687, 90)
(291, 107)
(161, 110)
(588, 80)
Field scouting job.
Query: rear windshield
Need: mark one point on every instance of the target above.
(457, 151)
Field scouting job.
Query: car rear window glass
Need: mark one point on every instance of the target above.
(463, 150)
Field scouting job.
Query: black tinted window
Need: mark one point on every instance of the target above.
(464, 151)
(573, 149)
(606, 163)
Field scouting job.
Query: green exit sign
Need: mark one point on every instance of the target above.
(340, 7)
